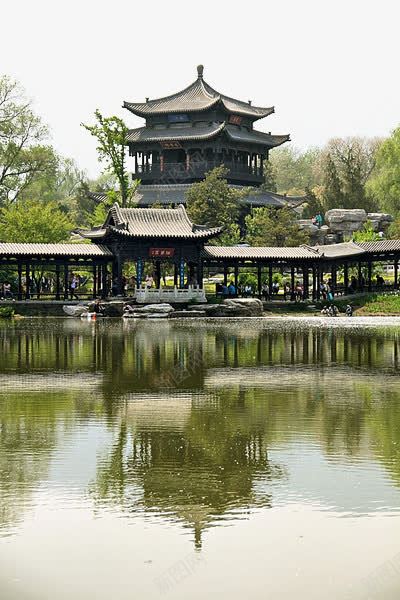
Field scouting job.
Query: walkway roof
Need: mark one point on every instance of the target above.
(52, 250)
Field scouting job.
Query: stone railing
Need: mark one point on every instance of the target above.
(170, 295)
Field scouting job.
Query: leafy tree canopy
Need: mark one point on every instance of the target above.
(366, 234)
(347, 166)
(385, 180)
(23, 155)
(295, 171)
(33, 221)
(111, 135)
(213, 202)
(272, 227)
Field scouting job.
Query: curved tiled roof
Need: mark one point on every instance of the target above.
(176, 194)
(77, 250)
(344, 249)
(381, 246)
(147, 134)
(198, 96)
(259, 253)
(152, 223)
(255, 137)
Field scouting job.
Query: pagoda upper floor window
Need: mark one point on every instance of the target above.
(178, 118)
(180, 125)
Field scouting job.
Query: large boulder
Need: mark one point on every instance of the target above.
(115, 308)
(346, 220)
(243, 307)
(154, 308)
(178, 314)
(380, 221)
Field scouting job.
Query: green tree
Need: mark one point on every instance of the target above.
(384, 183)
(347, 166)
(23, 157)
(313, 205)
(274, 227)
(366, 234)
(295, 171)
(332, 194)
(393, 232)
(33, 221)
(213, 202)
(269, 184)
(111, 135)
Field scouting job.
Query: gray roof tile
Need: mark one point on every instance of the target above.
(234, 132)
(259, 253)
(344, 249)
(151, 222)
(381, 246)
(75, 250)
(198, 96)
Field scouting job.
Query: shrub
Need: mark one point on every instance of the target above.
(6, 312)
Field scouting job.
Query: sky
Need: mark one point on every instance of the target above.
(331, 69)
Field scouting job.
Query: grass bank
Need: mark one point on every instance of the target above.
(381, 304)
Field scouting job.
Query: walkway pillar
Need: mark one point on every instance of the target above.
(27, 281)
(94, 281)
(66, 282)
(270, 277)
(236, 278)
(104, 281)
(334, 278)
(182, 273)
(175, 275)
(360, 277)
(319, 279)
(225, 275)
(369, 276)
(158, 274)
(57, 282)
(19, 280)
(139, 272)
(200, 274)
(314, 284)
(346, 277)
(305, 282)
(292, 282)
(396, 273)
(259, 283)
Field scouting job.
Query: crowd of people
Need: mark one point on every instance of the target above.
(42, 285)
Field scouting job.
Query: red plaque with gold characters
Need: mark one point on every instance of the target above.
(235, 119)
(161, 252)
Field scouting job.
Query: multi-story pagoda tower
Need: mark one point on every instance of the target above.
(194, 130)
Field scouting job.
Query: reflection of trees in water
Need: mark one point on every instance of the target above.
(31, 426)
(208, 464)
(144, 355)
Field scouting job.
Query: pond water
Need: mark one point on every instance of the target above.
(229, 459)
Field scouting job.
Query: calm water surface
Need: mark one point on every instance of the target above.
(246, 459)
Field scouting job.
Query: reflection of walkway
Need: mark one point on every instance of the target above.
(331, 377)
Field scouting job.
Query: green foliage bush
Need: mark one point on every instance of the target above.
(6, 312)
(383, 304)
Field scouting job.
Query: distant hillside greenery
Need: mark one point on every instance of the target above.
(44, 195)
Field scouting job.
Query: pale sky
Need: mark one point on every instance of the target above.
(329, 68)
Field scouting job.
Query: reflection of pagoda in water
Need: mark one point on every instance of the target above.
(198, 467)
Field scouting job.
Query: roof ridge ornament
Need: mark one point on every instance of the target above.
(200, 71)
